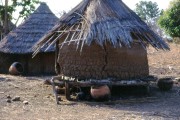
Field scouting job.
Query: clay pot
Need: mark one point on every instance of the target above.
(100, 93)
(16, 68)
(165, 84)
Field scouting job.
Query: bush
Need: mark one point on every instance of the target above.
(170, 20)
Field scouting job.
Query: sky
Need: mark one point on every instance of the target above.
(57, 6)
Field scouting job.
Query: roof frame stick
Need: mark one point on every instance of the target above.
(82, 17)
(72, 38)
(65, 40)
(80, 25)
(70, 41)
(42, 40)
(74, 33)
(68, 31)
(80, 35)
(83, 41)
(54, 41)
(44, 43)
(36, 52)
(67, 36)
(48, 40)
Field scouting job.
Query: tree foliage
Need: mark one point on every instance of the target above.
(25, 7)
(147, 10)
(170, 19)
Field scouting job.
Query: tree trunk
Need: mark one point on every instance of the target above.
(6, 18)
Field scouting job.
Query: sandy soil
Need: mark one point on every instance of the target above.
(41, 105)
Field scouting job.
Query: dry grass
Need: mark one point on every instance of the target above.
(165, 62)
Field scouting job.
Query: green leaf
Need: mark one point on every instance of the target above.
(170, 19)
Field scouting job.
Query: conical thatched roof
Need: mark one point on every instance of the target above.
(102, 21)
(22, 39)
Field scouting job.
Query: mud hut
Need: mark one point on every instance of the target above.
(17, 45)
(100, 39)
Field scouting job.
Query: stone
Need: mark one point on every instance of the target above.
(8, 97)
(48, 96)
(59, 98)
(16, 98)
(25, 102)
(8, 100)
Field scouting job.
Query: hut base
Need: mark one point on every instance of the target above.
(69, 82)
(43, 63)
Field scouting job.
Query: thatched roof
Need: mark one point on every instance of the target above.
(22, 39)
(102, 21)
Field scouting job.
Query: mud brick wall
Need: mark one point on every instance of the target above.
(127, 63)
(85, 64)
(103, 62)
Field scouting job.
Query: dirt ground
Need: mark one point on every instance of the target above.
(41, 105)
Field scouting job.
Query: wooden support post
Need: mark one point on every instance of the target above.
(54, 90)
(67, 91)
(148, 89)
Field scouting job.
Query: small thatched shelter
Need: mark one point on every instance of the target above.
(11, 26)
(17, 45)
(101, 39)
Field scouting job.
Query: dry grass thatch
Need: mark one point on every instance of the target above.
(102, 21)
(22, 39)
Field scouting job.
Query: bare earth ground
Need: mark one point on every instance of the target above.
(157, 106)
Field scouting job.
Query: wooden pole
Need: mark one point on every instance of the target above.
(6, 18)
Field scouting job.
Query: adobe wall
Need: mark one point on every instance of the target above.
(103, 62)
